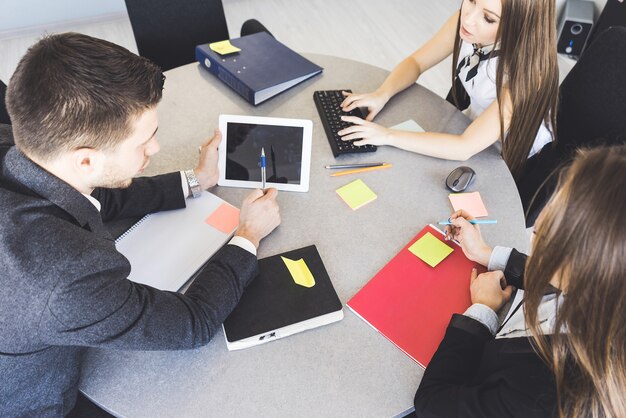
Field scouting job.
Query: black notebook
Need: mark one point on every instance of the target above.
(274, 306)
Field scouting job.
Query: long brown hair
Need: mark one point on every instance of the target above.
(528, 68)
(581, 242)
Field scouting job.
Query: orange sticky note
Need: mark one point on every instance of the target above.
(471, 202)
(225, 218)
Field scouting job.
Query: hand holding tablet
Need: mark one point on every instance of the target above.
(287, 148)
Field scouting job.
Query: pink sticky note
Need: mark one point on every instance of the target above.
(471, 202)
(225, 218)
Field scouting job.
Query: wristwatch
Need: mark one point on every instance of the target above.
(193, 183)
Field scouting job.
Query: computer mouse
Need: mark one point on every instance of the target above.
(460, 178)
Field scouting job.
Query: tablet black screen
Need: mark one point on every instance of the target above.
(283, 152)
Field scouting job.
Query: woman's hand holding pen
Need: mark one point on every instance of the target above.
(373, 101)
(469, 237)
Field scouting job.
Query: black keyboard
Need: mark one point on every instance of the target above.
(328, 103)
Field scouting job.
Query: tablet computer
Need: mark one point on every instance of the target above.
(287, 145)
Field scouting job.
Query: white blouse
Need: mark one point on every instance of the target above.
(481, 90)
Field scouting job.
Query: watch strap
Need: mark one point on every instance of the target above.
(193, 183)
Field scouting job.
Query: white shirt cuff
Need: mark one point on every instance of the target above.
(184, 184)
(243, 243)
(485, 315)
(499, 258)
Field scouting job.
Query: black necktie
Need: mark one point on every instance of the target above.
(472, 61)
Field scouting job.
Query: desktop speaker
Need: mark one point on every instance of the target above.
(575, 26)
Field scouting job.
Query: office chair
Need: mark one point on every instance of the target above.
(167, 32)
(6, 140)
(613, 14)
(6, 132)
(592, 105)
(4, 115)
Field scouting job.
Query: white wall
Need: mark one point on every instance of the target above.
(18, 15)
(599, 5)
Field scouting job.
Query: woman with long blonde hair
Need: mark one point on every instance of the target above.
(561, 351)
(505, 76)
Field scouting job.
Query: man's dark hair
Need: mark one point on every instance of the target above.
(73, 91)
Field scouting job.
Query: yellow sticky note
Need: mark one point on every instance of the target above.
(430, 250)
(300, 272)
(224, 47)
(356, 194)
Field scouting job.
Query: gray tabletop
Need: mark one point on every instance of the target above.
(343, 369)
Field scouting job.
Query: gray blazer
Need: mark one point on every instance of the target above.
(64, 286)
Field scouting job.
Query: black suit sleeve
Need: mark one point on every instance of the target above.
(462, 381)
(101, 308)
(514, 270)
(454, 365)
(145, 195)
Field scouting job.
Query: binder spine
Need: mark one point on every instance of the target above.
(129, 230)
(215, 67)
(235, 84)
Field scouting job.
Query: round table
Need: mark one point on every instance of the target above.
(343, 369)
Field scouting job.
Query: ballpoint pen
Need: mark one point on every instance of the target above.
(361, 170)
(359, 165)
(263, 168)
(472, 221)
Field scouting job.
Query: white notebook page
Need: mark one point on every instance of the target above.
(166, 248)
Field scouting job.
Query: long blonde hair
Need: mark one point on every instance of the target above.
(581, 242)
(528, 68)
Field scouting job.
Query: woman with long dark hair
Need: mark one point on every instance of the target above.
(505, 75)
(561, 351)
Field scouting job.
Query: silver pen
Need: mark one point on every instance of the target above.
(360, 165)
(263, 168)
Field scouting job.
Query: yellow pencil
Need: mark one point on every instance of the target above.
(360, 170)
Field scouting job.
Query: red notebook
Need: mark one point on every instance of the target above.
(411, 303)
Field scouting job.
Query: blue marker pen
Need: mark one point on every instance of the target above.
(263, 168)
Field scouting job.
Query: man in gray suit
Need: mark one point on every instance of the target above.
(84, 123)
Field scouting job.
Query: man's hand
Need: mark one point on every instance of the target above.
(259, 215)
(469, 237)
(490, 289)
(206, 171)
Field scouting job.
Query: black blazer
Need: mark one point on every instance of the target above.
(472, 374)
(64, 285)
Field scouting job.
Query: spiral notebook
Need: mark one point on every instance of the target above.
(165, 249)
